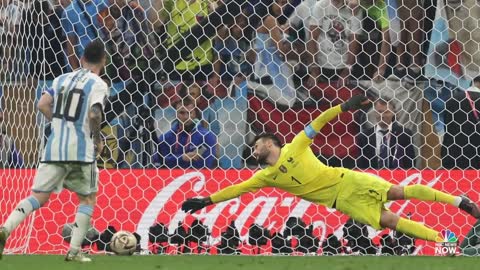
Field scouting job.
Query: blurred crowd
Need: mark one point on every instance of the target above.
(192, 81)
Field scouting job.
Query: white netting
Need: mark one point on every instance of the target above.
(249, 67)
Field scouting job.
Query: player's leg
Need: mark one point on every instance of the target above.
(408, 227)
(372, 212)
(47, 178)
(83, 180)
(23, 209)
(80, 227)
(426, 193)
(363, 197)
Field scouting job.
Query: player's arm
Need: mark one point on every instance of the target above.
(304, 138)
(45, 104)
(95, 116)
(251, 185)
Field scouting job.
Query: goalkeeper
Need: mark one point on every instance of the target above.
(295, 169)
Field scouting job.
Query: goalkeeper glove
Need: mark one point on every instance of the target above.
(192, 205)
(355, 103)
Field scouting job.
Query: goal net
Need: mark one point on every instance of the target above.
(192, 82)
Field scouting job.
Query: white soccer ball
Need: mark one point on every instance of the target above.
(123, 243)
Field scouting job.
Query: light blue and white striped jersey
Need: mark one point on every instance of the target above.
(74, 94)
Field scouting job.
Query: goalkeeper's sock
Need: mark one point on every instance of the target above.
(426, 193)
(80, 227)
(21, 212)
(417, 230)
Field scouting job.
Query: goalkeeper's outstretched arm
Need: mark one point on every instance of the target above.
(251, 185)
(304, 138)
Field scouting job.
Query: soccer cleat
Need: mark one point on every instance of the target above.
(3, 240)
(470, 207)
(80, 257)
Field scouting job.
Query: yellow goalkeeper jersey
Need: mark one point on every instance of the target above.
(297, 171)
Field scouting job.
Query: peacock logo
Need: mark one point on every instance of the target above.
(449, 236)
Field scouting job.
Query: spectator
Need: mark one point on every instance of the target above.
(231, 113)
(11, 32)
(301, 17)
(232, 46)
(205, 103)
(10, 157)
(225, 117)
(461, 143)
(387, 144)
(297, 29)
(188, 144)
(3, 35)
(411, 15)
(181, 16)
(272, 74)
(8, 12)
(46, 44)
(124, 29)
(152, 9)
(165, 113)
(376, 26)
(335, 29)
(81, 26)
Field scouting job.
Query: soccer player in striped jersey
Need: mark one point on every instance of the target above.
(295, 169)
(74, 105)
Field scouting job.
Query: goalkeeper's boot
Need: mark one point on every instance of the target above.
(79, 257)
(3, 240)
(470, 207)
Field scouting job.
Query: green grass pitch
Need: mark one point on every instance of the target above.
(193, 262)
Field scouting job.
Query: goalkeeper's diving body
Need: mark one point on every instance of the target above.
(295, 169)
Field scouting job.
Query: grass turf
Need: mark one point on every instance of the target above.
(47, 262)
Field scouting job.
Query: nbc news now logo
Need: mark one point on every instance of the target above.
(448, 246)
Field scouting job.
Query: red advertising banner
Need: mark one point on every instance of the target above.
(136, 199)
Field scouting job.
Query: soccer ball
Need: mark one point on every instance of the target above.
(123, 243)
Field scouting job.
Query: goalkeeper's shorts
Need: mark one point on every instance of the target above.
(362, 197)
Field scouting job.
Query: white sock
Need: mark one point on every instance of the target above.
(457, 201)
(21, 212)
(80, 227)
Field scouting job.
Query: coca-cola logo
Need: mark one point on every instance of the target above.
(133, 200)
(258, 210)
